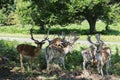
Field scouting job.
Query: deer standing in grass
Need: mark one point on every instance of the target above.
(29, 50)
(88, 56)
(103, 54)
(59, 52)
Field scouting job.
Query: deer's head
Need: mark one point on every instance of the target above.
(72, 38)
(39, 43)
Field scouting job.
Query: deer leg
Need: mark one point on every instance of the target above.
(107, 67)
(109, 62)
(21, 62)
(63, 63)
(31, 63)
(101, 68)
(98, 67)
(48, 62)
(84, 60)
(84, 64)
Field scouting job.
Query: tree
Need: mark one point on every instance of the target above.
(6, 7)
(24, 12)
(74, 11)
(93, 10)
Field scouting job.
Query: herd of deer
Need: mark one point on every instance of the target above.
(58, 47)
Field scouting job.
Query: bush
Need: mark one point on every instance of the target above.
(8, 50)
(12, 19)
(2, 17)
(73, 60)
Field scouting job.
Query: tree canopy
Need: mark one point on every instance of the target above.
(63, 12)
(74, 11)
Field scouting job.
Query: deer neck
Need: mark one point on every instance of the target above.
(37, 49)
(67, 49)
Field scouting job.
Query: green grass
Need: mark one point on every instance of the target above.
(82, 29)
(73, 61)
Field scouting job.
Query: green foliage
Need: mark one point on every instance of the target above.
(73, 60)
(7, 5)
(2, 17)
(15, 29)
(115, 62)
(8, 49)
(75, 11)
(12, 19)
(24, 12)
(111, 14)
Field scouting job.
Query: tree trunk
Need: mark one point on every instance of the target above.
(42, 27)
(92, 23)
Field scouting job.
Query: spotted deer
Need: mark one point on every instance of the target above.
(88, 56)
(103, 54)
(59, 52)
(29, 50)
(57, 41)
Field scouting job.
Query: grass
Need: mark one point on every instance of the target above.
(82, 29)
(73, 61)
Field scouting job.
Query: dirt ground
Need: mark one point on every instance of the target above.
(10, 72)
(56, 74)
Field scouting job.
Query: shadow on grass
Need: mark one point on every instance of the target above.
(110, 32)
(80, 32)
(73, 64)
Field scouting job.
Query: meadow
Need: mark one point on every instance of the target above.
(73, 61)
(113, 35)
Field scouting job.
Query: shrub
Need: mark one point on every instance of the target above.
(7, 48)
(2, 17)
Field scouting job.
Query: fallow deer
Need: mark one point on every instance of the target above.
(88, 56)
(59, 52)
(103, 54)
(57, 41)
(29, 50)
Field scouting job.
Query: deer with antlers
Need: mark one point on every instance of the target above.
(59, 51)
(88, 56)
(29, 50)
(102, 55)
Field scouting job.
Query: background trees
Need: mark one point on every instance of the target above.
(63, 12)
(74, 11)
(6, 7)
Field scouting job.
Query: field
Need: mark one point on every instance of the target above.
(10, 69)
(82, 29)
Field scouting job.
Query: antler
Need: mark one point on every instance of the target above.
(97, 36)
(100, 42)
(73, 37)
(46, 36)
(89, 39)
(63, 35)
(31, 30)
